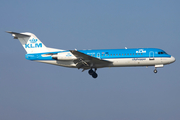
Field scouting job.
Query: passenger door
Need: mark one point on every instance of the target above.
(151, 55)
(99, 55)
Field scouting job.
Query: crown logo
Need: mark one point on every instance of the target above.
(33, 40)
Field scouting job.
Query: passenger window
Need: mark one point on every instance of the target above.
(127, 54)
(120, 54)
(141, 54)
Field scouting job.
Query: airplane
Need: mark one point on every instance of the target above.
(92, 59)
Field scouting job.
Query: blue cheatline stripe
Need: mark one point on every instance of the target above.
(141, 53)
(107, 53)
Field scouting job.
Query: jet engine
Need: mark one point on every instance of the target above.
(64, 56)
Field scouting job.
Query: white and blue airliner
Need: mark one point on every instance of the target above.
(92, 59)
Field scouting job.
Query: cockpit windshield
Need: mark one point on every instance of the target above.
(162, 52)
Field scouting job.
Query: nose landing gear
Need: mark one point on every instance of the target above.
(93, 73)
(155, 71)
(158, 66)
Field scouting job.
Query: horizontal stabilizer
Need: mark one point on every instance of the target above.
(18, 35)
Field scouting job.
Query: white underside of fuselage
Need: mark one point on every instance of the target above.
(121, 62)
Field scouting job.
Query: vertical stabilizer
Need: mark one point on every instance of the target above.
(30, 42)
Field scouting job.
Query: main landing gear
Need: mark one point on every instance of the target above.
(93, 73)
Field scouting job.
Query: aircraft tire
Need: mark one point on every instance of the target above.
(90, 72)
(94, 75)
(155, 71)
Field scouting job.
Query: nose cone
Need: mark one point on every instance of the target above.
(172, 59)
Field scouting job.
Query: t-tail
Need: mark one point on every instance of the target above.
(31, 43)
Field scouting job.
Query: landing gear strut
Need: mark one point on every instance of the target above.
(93, 73)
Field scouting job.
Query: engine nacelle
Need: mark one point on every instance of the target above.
(64, 56)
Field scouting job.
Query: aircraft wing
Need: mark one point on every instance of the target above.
(85, 60)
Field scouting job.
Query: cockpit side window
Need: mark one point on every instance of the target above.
(162, 52)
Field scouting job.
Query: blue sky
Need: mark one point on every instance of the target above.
(30, 90)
